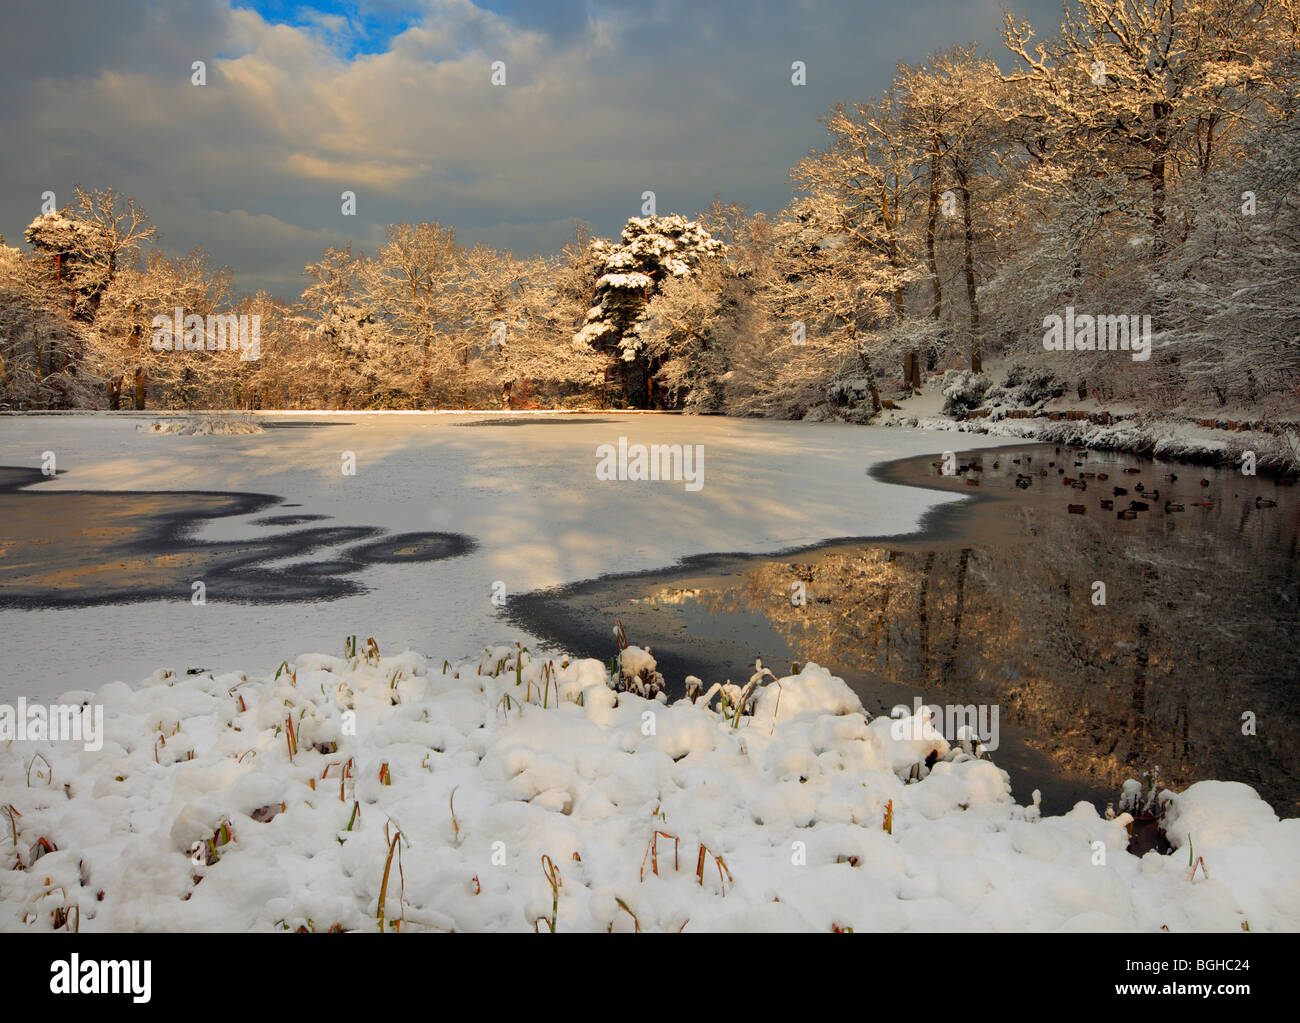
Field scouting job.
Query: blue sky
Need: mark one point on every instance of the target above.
(370, 24)
(393, 99)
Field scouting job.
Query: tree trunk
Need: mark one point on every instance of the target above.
(976, 355)
(890, 218)
(1159, 149)
(930, 229)
(912, 369)
(869, 373)
(636, 381)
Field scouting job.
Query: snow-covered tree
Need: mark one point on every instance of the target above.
(53, 298)
(537, 352)
(949, 112)
(1232, 288)
(652, 251)
(41, 340)
(413, 284)
(351, 360)
(1160, 81)
(678, 334)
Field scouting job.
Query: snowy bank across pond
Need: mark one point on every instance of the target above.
(203, 426)
(513, 793)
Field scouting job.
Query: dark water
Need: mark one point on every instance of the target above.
(79, 548)
(1195, 647)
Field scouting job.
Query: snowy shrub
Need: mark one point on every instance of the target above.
(862, 413)
(1026, 385)
(963, 390)
(637, 674)
(1142, 798)
(850, 390)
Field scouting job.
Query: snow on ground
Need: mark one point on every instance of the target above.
(1171, 441)
(512, 793)
(527, 492)
(1177, 435)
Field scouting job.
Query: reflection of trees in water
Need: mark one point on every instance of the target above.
(1197, 628)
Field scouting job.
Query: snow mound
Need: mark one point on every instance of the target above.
(512, 792)
(813, 692)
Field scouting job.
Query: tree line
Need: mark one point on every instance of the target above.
(1142, 160)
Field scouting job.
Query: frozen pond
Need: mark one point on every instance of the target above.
(84, 577)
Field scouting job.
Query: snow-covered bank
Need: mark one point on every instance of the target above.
(1030, 407)
(513, 793)
(1151, 437)
(203, 426)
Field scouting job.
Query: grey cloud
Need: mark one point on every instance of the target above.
(603, 101)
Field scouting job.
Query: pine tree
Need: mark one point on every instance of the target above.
(652, 251)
